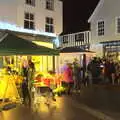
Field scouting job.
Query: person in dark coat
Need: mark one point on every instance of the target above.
(25, 93)
(95, 70)
(76, 76)
(109, 70)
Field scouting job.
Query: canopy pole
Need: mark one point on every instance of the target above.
(47, 63)
(54, 63)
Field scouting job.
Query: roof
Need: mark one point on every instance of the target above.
(97, 9)
(72, 50)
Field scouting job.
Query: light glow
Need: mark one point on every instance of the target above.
(56, 41)
(43, 63)
(13, 27)
(7, 87)
(46, 44)
(119, 57)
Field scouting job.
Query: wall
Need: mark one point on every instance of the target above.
(108, 12)
(41, 13)
(12, 11)
(8, 11)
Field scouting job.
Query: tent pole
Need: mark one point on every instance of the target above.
(54, 63)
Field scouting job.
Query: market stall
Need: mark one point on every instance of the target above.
(15, 51)
(69, 54)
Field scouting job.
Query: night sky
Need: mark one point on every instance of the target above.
(76, 14)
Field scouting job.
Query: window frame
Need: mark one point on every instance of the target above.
(49, 4)
(49, 24)
(30, 20)
(79, 38)
(30, 2)
(101, 29)
(116, 25)
(65, 39)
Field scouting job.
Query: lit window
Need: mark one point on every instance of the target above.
(118, 25)
(100, 28)
(49, 26)
(30, 2)
(29, 21)
(50, 4)
(79, 37)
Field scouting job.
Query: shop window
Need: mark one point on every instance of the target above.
(100, 28)
(29, 21)
(50, 4)
(118, 25)
(30, 2)
(79, 37)
(49, 26)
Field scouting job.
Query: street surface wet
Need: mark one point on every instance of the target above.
(64, 109)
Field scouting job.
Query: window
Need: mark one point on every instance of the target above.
(50, 4)
(29, 21)
(65, 39)
(30, 2)
(79, 37)
(118, 25)
(100, 28)
(49, 27)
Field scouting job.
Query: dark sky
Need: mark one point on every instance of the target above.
(76, 14)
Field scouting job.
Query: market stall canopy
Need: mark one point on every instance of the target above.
(11, 44)
(72, 50)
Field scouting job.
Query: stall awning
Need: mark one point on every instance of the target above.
(11, 44)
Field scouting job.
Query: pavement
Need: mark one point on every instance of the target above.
(101, 100)
(7, 104)
(97, 102)
(64, 109)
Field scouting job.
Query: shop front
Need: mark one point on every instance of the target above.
(111, 49)
(69, 54)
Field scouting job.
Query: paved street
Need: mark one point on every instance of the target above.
(64, 109)
(102, 98)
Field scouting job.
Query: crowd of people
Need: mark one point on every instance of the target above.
(98, 71)
(104, 71)
(72, 73)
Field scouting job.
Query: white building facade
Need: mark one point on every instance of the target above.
(105, 28)
(79, 39)
(40, 21)
(75, 46)
(42, 15)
